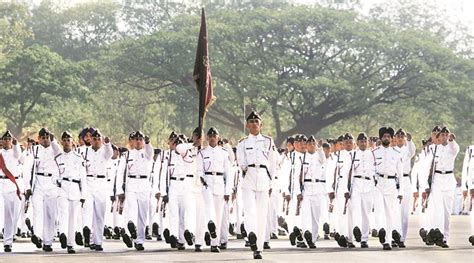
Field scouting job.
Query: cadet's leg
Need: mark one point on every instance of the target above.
(143, 202)
(448, 209)
(366, 208)
(262, 199)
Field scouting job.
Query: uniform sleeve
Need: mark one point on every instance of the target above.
(164, 174)
(399, 172)
(344, 171)
(149, 151)
(83, 176)
(17, 151)
(228, 176)
(200, 164)
(241, 161)
(411, 149)
(272, 161)
(157, 174)
(329, 173)
(453, 147)
(464, 173)
(108, 151)
(182, 148)
(119, 173)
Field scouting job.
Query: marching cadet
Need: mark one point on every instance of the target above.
(256, 157)
(44, 190)
(468, 183)
(98, 155)
(11, 154)
(362, 186)
(71, 179)
(407, 148)
(388, 171)
(178, 187)
(332, 170)
(137, 182)
(314, 191)
(325, 202)
(443, 184)
(213, 166)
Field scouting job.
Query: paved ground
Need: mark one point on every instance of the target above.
(460, 251)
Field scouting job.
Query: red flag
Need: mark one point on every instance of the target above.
(202, 72)
(10, 176)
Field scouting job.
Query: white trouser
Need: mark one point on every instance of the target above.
(225, 223)
(44, 210)
(117, 218)
(405, 208)
(292, 219)
(361, 206)
(390, 204)
(182, 211)
(11, 208)
(67, 218)
(214, 204)
(311, 211)
(442, 203)
(272, 224)
(93, 214)
(201, 224)
(238, 210)
(138, 205)
(343, 221)
(379, 219)
(255, 205)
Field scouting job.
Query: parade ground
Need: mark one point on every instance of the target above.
(327, 251)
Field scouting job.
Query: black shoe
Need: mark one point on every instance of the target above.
(173, 242)
(197, 248)
(438, 236)
(292, 239)
(98, 248)
(166, 235)
(396, 237)
(309, 239)
(273, 236)
(326, 228)
(215, 249)
(239, 236)
(247, 243)
(423, 234)
(387, 247)
(207, 239)
(326, 237)
(180, 246)
(336, 236)
(375, 233)
(107, 233)
(47, 248)
(302, 245)
(7, 248)
(394, 244)
(357, 234)
(127, 240)
(382, 236)
(139, 247)
(298, 234)
(364, 244)
(154, 230)
(63, 240)
(253, 241)
(79, 240)
(71, 250)
(342, 241)
(147, 233)
(117, 230)
(159, 238)
(401, 245)
(231, 229)
(133, 229)
(471, 240)
(444, 245)
(87, 236)
(37, 241)
(28, 225)
(189, 237)
(223, 246)
(350, 245)
(266, 245)
(92, 246)
(242, 230)
(23, 235)
(212, 229)
(332, 234)
(281, 232)
(257, 255)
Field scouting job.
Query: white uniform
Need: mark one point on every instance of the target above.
(12, 203)
(213, 165)
(362, 187)
(93, 213)
(45, 191)
(468, 178)
(388, 171)
(443, 185)
(138, 187)
(407, 151)
(71, 173)
(314, 192)
(256, 156)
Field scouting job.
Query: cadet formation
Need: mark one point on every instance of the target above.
(80, 190)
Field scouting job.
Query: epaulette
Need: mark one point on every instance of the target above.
(376, 148)
(55, 157)
(395, 150)
(223, 148)
(78, 154)
(243, 139)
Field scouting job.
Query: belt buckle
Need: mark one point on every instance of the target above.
(214, 173)
(385, 176)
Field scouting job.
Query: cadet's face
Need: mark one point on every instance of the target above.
(44, 140)
(290, 147)
(97, 141)
(303, 146)
(362, 144)
(348, 145)
(116, 154)
(339, 146)
(327, 151)
(213, 140)
(67, 144)
(311, 147)
(443, 138)
(139, 143)
(254, 126)
(298, 146)
(400, 139)
(7, 142)
(88, 137)
(386, 139)
(433, 137)
(196, 139)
